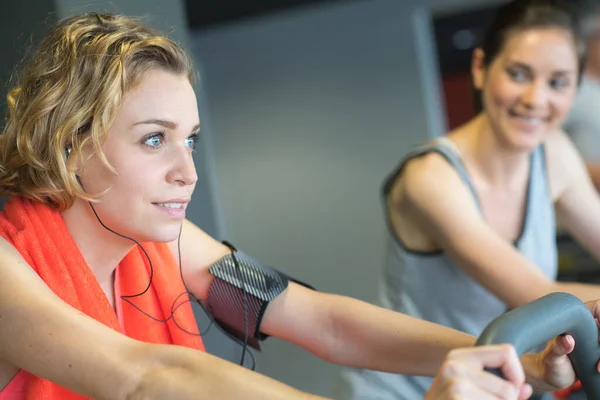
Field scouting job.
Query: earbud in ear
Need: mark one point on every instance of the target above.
(67, 153)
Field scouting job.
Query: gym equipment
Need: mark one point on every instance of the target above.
(555, 314)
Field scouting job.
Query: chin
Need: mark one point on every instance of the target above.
(164, 236)
(527, 145)
(158, 233)
(525, 141)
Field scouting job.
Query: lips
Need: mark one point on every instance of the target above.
(528, 122)
(528, 117)
(172, 205)
(173, 208)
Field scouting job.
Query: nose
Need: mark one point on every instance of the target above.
(183, 170)
(535, 95)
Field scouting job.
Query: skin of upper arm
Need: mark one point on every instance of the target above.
(198, 252)
(431, 193)
(577, 202)
(47, 337)
(593, 168)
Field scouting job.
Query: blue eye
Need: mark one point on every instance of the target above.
(191, 141)
(517, 75)
(559, 83)
(155, 140)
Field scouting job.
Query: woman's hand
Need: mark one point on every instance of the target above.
(557, 371)
(551, 369)
(462, 375)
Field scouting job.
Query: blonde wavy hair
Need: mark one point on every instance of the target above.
(67, 97)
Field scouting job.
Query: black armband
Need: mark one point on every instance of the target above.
(226, 302)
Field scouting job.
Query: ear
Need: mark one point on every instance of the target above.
(68, 155)
(478, 68)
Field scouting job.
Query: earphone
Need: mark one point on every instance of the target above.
(193, 297)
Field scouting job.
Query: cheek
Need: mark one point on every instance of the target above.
(503, 92)
(95, 176)
(562, 104)
(134, 180)
(499, 91)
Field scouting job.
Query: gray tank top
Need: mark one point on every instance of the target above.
(432, 287)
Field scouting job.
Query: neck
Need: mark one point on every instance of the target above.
(497, 162)
(101, 249)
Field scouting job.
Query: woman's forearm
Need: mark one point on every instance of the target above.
(375, 338)
(179, 373)
(584, 291)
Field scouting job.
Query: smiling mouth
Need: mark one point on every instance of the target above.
(175, 210)
(172, 205)
(532, 119)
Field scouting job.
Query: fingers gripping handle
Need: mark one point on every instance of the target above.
(539, 321)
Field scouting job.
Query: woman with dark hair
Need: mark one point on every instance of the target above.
(471, 215)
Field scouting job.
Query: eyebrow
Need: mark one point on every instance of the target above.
(520, 64)
(167, 124)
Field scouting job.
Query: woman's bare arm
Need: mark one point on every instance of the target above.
(350, 332)
(45, 336)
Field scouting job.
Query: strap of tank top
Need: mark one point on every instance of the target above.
(443, 146)
(538, 163)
